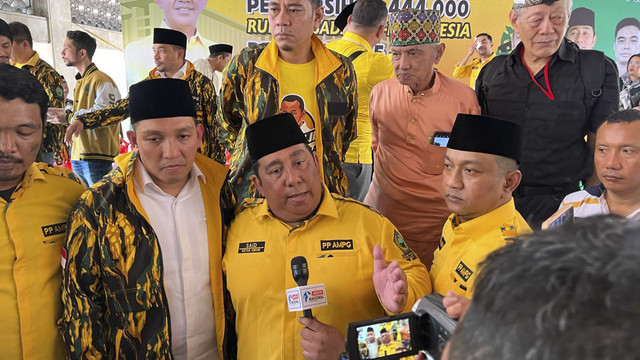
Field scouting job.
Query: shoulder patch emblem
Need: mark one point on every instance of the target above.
(407, 253)
(509, 231)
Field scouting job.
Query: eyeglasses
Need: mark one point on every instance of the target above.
(635, 63)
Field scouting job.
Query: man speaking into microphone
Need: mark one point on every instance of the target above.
(365, 265)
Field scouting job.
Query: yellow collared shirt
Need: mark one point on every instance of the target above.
(32, 228)
(462, 247)
(471, 70)
(337, 242)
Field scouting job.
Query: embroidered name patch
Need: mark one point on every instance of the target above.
(464, 271)
(54, 229)
(327, 245)
(251, 247)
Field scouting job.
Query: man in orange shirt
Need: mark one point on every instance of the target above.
(405, 112)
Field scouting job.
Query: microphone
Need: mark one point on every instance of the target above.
(300, 272)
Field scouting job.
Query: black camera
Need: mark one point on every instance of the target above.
(425, 329)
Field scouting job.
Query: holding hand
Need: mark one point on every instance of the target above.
(320, 341)
(390, 282)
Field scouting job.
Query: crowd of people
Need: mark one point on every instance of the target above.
(392, 179)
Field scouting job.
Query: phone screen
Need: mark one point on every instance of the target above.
(440, 141)
(383, 339)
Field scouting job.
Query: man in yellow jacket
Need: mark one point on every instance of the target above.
(36, 200)
(142, 278)
(363, 30)
(365, 264)
(480, 174)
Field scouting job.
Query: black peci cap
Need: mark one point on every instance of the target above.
(483, 134)
(341, 20)
(272, 134)
(582, 16)
(160, 98)
(168, 36)
(220, 48)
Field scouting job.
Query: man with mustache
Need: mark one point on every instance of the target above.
(36, 200)
(481, 172)
(179, 15)
(168, 54)
(142, 276)
(405, 113)
(558, 94)
(295, 61)
(482, 44)
(361, 258)
(617, 163)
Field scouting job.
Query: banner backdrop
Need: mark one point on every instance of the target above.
(242, 22)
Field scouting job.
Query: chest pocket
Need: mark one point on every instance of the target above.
(433, 159)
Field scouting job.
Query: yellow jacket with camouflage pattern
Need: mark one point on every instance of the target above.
(250, 93)
(53, 134)
(114, 302)
(204, 98)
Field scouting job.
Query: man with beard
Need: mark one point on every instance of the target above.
(483, 46)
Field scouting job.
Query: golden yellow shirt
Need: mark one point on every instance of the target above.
(471, 70)
(462, 247)
(371, 68)
(32, 229)
(337, 242)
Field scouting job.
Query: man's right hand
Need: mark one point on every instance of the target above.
(73, 130)
(473, 47)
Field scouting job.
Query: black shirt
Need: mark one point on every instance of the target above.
(555, 152)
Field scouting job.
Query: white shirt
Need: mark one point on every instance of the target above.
(178, 75)
(181, 227)
(592, 201)
(203, 66)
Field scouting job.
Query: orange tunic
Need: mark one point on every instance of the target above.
(406, 185)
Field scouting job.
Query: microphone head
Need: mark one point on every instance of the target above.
(300, 270)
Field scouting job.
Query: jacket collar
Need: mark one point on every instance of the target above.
(214, 174)
(32, 62)
(567, 52)
(187, 68)
(90, 69)
(357, 39)
(326, 62)
(327, 207)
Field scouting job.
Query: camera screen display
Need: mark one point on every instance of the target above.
(383, 339)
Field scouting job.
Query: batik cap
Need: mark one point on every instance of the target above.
(414, 27)
(519, 4)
